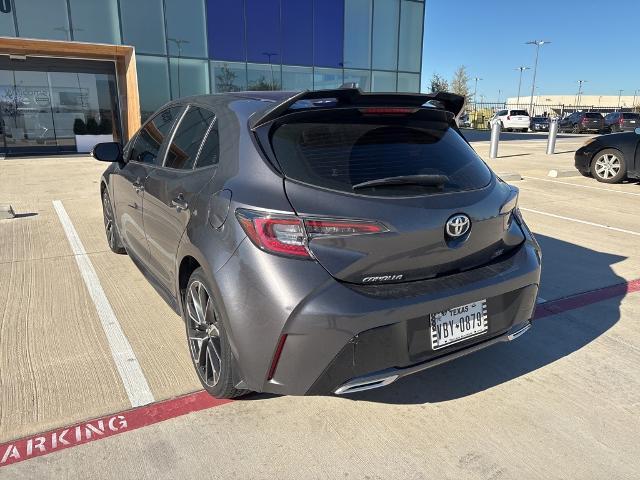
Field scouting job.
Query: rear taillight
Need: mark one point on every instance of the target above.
(508, 117)
(289, 235)
(585, 120)
(621, 121)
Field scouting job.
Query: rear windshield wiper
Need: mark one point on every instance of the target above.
(422, 180)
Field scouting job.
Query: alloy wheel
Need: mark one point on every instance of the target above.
(607, 166)
(108, 219)
(204, 333)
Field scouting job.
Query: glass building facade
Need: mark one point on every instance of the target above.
(186, 47)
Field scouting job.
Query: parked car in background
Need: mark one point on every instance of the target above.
(463, 121)
(539, 124)
(511, 120)
(610, 158)
(622, 121)
(320, 242)
(581, 122)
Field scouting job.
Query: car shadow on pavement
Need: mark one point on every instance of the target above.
(550, 339)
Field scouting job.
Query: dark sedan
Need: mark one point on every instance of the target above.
(622, 121)
(610, 158)
(539, 124)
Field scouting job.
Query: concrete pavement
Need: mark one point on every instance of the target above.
(560, 402)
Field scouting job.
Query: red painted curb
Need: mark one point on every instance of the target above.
(103, 427)
(572, 302)
(110, 425)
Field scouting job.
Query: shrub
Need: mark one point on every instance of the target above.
(92, 127)
(79, 127)
(105, 126)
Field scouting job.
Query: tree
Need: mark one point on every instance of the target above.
(225, 80)
(263, 84)
(439, 84)
(460, 81)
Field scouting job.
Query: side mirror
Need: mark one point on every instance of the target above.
(107, 152)
(637, 130)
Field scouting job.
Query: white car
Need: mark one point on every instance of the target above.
(511, 120)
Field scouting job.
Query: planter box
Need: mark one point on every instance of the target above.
(85, 143)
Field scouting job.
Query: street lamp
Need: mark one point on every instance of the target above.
(619, 95)
(538, 44)
(179, 42)
(499, 95)
(635, 93)
(269, 55)
(522, 69)
(475, 88)
(579, 96)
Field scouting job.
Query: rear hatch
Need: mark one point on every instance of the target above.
(592, 120)
(630, 121)
(333, 160)
(520, 117)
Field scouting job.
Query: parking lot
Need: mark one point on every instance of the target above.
(562, 401)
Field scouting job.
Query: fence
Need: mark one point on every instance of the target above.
(477, 114)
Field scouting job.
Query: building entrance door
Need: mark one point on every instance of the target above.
(56, 106)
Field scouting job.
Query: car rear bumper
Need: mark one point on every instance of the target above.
(390, 375)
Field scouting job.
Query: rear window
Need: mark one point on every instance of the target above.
(592, 115)
(519, 112)
(631, 116)
(341, 155)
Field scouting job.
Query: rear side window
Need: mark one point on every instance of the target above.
(210, 151)
(184, 148)
(519, 112)
(592, 115)
(341, 155)
(152, 135)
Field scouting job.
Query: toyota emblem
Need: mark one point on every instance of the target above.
(458, 225)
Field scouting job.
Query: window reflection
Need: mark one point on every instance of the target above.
(186, 28)
(411, 17)
(188, 77)
(263, 76)
(153, 83)
(383, 81)
(228, 77)
(43, 19)
(143, 25)
(357, 40)
(7, 26)
(385, 34)
(324, 78)
(297, 78)
(359, 77)
(408, 82)
(95, 21)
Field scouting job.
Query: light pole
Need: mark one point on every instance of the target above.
(635, 93)
(522, 69)
(475, 88)
(579, 96)
(538, 44)
(619, 96)
(179, 42)
(499, 95)
(269, 55)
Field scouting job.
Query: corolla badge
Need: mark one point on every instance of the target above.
(457, 225)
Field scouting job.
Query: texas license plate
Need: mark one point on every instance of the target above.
(458, 324)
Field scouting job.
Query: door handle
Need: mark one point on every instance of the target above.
(138, 186)
(179, 203)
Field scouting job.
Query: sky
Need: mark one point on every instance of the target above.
(592, 40)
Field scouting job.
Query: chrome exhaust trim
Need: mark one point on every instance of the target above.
(514, 335)
(359, 385)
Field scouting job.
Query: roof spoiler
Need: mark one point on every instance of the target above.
(345, 97)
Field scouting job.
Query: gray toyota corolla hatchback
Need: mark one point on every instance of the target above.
(321, 242)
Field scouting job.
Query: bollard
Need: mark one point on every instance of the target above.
(553, 133)
(495, 138)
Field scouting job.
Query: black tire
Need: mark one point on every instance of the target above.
(110, 227)
(585, 174)
(207, 340)
(609, 166)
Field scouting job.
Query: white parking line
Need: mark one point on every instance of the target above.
(526, 177)
(599, 225)
(133, 380)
